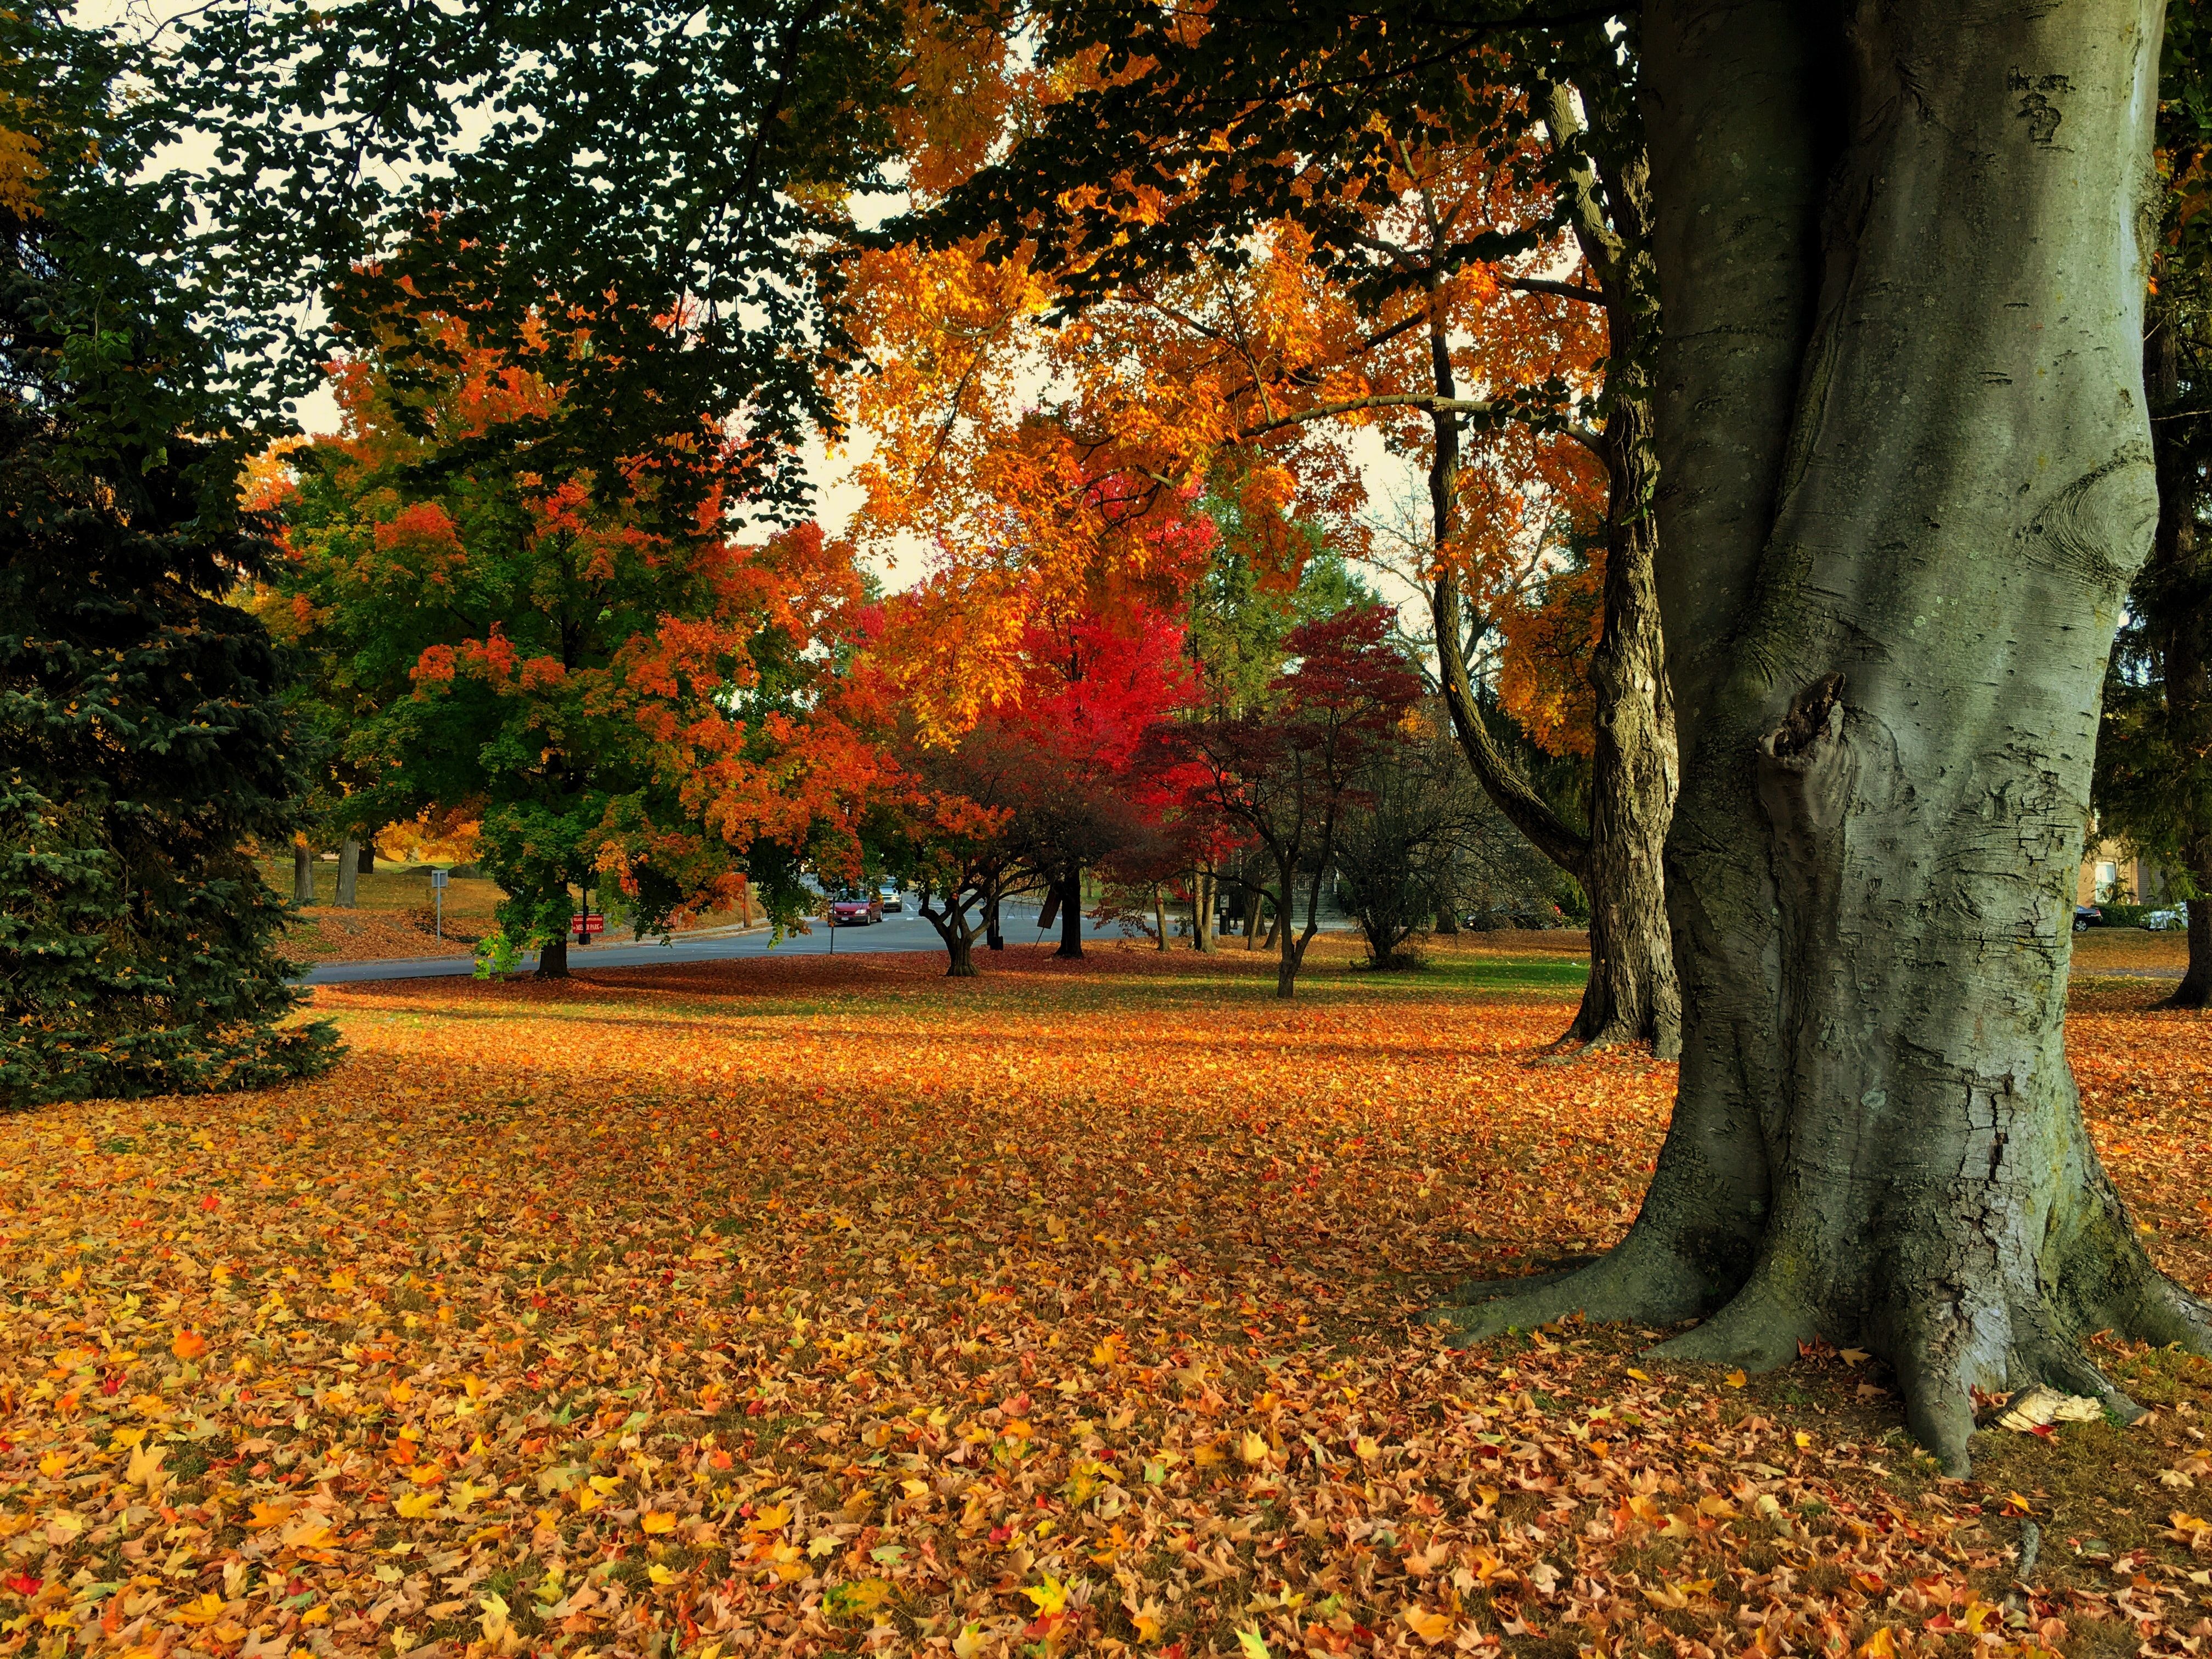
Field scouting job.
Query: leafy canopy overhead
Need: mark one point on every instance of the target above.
(641, 201)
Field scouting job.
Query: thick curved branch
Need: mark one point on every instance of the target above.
(1423, 400)
(1524, 809)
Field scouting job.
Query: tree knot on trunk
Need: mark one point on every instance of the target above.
(1815, 712)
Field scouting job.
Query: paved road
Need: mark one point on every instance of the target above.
(895, 932)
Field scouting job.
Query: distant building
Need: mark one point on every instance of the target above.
(2112, 875)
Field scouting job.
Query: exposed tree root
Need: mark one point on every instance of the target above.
(1640, 1280)
(1943, 1345)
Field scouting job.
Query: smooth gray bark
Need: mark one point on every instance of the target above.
(1906, 475)
(348, 872)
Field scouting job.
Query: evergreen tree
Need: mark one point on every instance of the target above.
(142, 718)
(2154, 783)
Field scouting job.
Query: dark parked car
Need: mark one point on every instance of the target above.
(2087, 917)
(856, 909)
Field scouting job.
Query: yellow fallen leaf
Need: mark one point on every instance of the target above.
(1430, 1627)
(658, 1520)
(205, 1611)
(1882, 1644)
(1638, 1375)
(660, 1575)
(417, 1504)
(270, 1515)
(1050, 1598)
(970, 1643)
(1736, 1379)
(188, 1345)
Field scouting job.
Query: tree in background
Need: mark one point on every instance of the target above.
(2154, 785)
(1288, 774)
(1403, 847)
(608, 696)
(1450, 241)
(142, 719)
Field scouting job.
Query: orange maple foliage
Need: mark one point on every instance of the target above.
(994, 421)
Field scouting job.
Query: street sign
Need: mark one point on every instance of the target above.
(437, 879)
(590, 924)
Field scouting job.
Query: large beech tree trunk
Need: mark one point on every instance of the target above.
(1906, 475)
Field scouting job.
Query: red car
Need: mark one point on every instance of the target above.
(856, 910)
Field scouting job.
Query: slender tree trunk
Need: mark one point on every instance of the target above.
(1251, 913)
(1631, 994)
(348, 871)
(1071, 915)
(993, 936)
(1202, 911)
(1907, 477)
(2182, 585)
(2195, 990)
(303, 873)
(1160, 914)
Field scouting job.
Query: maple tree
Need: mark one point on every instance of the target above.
(1288, 772)
(1396, 264)
(607, 696)
(1046, 783)
(145, 741)
(1475, 273)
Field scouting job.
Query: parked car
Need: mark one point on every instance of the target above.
(2087, 917)
(856, 909)
(891, 897)
(2170, 920)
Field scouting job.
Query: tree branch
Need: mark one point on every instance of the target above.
(1421, 400)
(1523, 808)
(1581, 291)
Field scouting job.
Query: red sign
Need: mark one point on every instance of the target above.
(593, 924)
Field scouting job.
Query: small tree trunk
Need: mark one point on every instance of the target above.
(2195, 990)
(1202, 912)
(1448, 920)
(349, 870)
(959, 952)
(553, 958)
(368, 855)
(1071, 915)
(991, 935)
(303, 873)
(1160, 913)
(1251, 915)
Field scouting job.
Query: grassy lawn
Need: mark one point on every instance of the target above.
(823, 1305)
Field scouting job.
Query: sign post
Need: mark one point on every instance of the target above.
(438, 898)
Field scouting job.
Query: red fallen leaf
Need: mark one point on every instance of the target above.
(210, 1202)
(22, 1583)
(1941, 1621)
(111, 1383)
(999, 1534)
